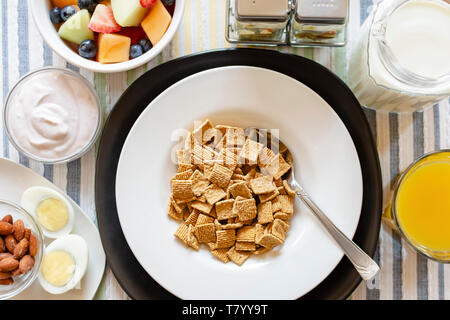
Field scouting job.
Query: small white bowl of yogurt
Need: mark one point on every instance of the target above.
(52, 115)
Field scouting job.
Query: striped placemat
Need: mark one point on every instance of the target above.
(400, 138)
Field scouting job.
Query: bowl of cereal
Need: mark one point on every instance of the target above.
(21, 249)
(107, 36)
(182, 194)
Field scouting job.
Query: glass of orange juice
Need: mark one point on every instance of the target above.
(420, 205)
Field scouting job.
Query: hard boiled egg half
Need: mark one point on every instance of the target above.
(64, 264)
(51, 209)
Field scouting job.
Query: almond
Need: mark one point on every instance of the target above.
(4, 275)
(8, 264)
(6, 228)
(21, 249)
(26, 264)
(7, 282)
(33, 245)
(19, 230)
(10, 243)
(27, 233)
(2, 245)
(8, 218)
(16, 272)
(5, 255)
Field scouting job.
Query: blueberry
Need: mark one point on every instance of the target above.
(136, 50)
(168, 2)
(88, 4)
(85, 4)
(87, 49)
(55, 15)
(145, 44)
(67, 12)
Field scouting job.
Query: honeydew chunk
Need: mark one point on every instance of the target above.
(156, 22)
(75, 29)
(113, 48)
(128, 13)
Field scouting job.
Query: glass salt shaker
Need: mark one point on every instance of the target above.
(319, 23)
(258, 21)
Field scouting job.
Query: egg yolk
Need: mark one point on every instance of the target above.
(58, 267)
(52, 214)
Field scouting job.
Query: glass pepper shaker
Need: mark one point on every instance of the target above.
(319, 23)
(258, 21)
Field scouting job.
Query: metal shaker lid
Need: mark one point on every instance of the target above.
(262, 10)
(322, 11)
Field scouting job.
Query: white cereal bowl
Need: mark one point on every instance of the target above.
(40, 11)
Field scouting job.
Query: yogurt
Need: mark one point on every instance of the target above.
(416, 35)
(52, 115)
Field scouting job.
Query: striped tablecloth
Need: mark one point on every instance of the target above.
(400, 138)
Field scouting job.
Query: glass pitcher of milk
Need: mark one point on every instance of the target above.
(402, 60)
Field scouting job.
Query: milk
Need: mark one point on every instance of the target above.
(417, 34)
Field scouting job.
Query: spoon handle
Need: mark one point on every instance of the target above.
(365, 266)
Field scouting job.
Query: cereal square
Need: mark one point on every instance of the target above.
(238, 257)
(201, 206)
(205, 232)
(268, 196)
(245, 246)
(191, 239)
(246, 234)
(214, 194)
(221, 254)
(287, 203)
(250, 151)
(269, 241)
(225, 238)
(224, 209)
(245, 209)
(282, 215)
(182, 190)
(199, 183)
(182, 232)
(204, 219)
(185, 175)
(192, 218)
(234, 137)
(277, 167)
(288, 188)
(279, 229)
(240, 189)
(265, 212)
(262, 185)
(200, 130)
(171, 212)
(220, 175)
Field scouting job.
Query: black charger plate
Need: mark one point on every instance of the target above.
(132, 277)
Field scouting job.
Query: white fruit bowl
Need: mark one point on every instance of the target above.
(40, 10)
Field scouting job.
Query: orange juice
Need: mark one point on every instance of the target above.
(422, 203)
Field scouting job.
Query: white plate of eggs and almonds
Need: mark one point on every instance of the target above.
(73, 261)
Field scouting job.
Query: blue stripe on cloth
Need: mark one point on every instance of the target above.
(74, 167)
(48, 55)
(5, 71)
(364, 9)
(24, 59)
(397, 255)
(422, 263)
(74, 180)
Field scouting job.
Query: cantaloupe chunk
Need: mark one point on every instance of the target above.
(156, 22)
(63, 3)
(113, 48)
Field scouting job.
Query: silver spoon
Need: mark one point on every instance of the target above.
(364, 264)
